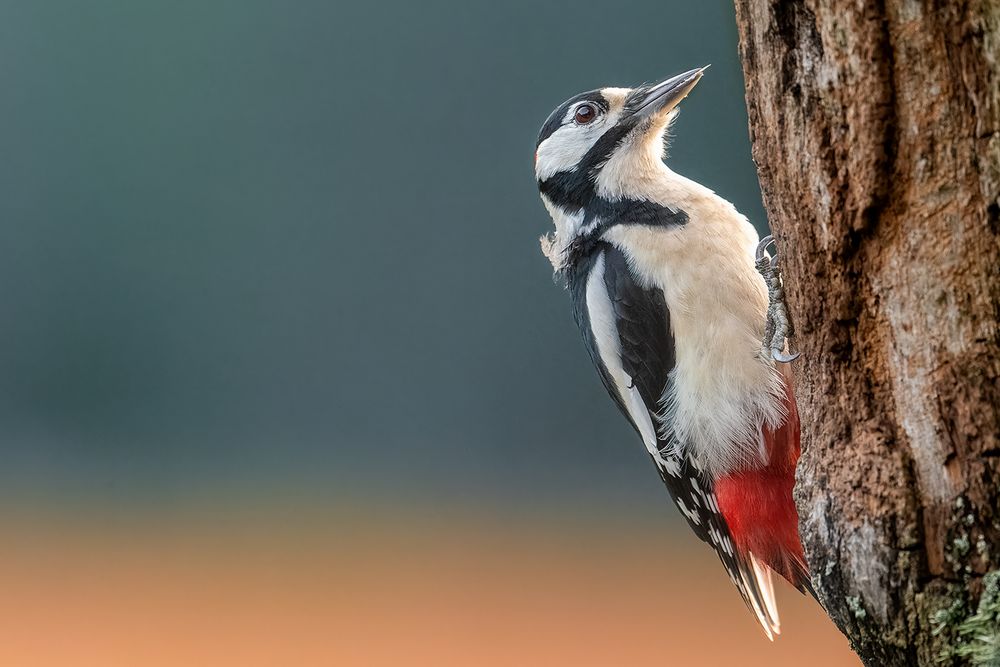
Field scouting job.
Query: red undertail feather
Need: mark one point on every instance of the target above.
(758, 507)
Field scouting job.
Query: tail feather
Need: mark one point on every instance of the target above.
(757, 588)
(765, 582)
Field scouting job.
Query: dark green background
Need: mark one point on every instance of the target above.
(263, 248)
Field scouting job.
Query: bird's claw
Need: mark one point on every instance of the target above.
(785, 358)
(778, 326)
(762, 247)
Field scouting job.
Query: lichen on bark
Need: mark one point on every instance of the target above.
(975, 638)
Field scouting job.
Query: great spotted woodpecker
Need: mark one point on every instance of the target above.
(664, 280)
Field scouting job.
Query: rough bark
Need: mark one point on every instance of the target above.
(876, 132)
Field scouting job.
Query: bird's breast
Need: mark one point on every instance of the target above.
(722, 391)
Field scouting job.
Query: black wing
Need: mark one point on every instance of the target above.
(646, 353)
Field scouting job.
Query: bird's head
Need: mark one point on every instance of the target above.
(604, 145)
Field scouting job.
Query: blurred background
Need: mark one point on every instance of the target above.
(284, 377)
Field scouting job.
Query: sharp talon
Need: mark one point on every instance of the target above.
(783, 358)
(762, 246)
(777, 327)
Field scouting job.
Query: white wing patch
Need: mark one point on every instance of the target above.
(605, 332)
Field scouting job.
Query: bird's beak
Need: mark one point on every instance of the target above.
(665, 95)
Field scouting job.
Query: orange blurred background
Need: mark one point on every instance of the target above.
(420, 587)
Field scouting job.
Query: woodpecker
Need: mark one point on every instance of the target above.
(664, 281)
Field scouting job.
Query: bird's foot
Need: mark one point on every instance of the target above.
(778, 326)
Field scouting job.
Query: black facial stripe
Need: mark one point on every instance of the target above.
(574, 190)
(619, 212)
(555, 119)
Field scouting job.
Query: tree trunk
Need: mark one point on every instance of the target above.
(876, 132)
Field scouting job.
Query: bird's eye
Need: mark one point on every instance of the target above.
(585, 113)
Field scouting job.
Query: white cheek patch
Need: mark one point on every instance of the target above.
(564, 149)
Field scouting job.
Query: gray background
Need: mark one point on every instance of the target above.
(265, 249)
